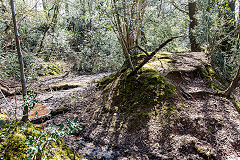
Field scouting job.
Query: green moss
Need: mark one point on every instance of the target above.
(147, 88)
(208, 73)
(23, 141)
(16, 146)
(142, 55)
(211, 71)
(236, 104)
(221, 93)
(137, 96)
(215, 86)
(48, 68)
(3, 115)
(163, 54)
(168, 108)
(205, 153)
(159, 61)
(30, 130)
(105, 80)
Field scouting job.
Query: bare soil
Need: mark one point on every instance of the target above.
(203, 126)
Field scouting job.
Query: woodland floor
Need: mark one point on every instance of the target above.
(203, 127)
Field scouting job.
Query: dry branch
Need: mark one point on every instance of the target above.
(151, 55)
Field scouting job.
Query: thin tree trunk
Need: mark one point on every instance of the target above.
(44, 35)
(20, 59)
(53, 22)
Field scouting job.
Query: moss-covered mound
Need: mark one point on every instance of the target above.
(23, 141)
(169, 110)
(138, 97)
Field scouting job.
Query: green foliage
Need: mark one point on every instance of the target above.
(93, 41)
(7, 66)
(163, 21)
(24, 141)
(34, 66)
(217, 21)
(85, 36)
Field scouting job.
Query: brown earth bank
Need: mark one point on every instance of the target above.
(169, 110)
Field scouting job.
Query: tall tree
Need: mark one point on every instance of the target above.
(51, 18)
(192, 9)
(191, 12)
(20, 59)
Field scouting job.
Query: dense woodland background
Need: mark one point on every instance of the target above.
(85, 32)
(89, 37)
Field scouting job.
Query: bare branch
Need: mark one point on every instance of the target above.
(141, 49)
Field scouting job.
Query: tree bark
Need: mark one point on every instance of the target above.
(20, 59)
(192, 8)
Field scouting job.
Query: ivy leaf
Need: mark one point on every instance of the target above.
(61, 127)
(29, 158)
(1, 122)
(76, 120)
(30, 141)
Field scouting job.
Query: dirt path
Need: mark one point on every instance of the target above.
(51, 91)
